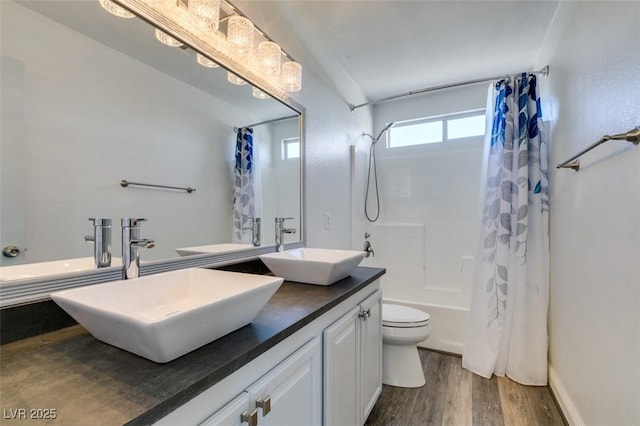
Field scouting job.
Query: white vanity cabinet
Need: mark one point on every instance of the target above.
(328, 372)
(353, 363)
(290, 394)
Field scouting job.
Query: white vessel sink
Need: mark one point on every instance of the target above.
(161, 317)
(213, 249)
(56, 267)
(313, 265)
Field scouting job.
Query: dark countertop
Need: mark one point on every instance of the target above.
(89, 382)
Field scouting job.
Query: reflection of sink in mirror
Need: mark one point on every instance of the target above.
(57, 267)
(313, 265)
(164, 316)
(213, 249)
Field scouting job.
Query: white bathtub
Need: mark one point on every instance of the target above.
(448, 325)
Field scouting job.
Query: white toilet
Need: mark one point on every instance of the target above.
(402, 328)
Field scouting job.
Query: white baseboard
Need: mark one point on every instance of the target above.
(564, 400)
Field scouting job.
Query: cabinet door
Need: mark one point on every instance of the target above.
(371, 355)
(230, 414)
(341, 376)
(291, 393)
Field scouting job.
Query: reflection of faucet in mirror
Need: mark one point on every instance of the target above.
(101, 242)
(131, 242)
(255, 231)
(280, 229)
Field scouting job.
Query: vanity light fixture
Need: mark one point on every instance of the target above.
(234, 79)
(205, 62)
(240, 37)
(291, 76)
(165, 38)
(206, 13)
(202, 18)
(257, 93)
(268, 60)
(115, 9)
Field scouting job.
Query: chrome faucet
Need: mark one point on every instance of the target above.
(367, 246)
(255, 231)
(280, 229)
(101, 240)
(131, 242)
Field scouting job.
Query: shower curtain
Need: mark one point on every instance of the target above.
(507, 332)
(243, 186)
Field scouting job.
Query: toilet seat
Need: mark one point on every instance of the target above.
(399, 316)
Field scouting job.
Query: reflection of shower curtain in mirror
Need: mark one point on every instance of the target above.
(243, 186)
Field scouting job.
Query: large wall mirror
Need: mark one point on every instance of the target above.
(89, 100)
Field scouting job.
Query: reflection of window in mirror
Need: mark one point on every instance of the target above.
(290, 148)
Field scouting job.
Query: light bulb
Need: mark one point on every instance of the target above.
(291, 76)
(206, 13)
(257, 93)
(234, 79)
(165, 38)
(240, 36)
(116, 9)
(205, 62)
(269, 54)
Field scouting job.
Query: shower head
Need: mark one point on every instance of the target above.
(387, 127)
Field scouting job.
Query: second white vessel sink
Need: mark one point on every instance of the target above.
(313, 265)
(163, 316)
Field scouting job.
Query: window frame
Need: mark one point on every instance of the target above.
(443, 118)
(285, 148)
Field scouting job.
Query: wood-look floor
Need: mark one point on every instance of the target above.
(454, 396)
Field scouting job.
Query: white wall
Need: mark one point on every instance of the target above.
(593, 49)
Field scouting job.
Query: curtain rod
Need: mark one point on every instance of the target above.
(289, 117)
(544, 72)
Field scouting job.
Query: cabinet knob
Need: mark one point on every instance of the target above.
(250, 418)
(265, 404)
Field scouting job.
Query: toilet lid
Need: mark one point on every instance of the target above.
(403, 316)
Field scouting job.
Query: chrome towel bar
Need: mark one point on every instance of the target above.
(125, 183)
(632, 136)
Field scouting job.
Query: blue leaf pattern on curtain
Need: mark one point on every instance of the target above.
(507, 332)
(243, 183)
(511, 170)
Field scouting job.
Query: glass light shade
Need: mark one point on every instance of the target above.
(234, 79)
(269, 54)
(206, 13)
(257, 93)
(205, 62)
(291, 76)
(115, 9)
(240, 36)
(165, 38)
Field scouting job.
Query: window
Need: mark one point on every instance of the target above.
(290, 148)
(436, 129)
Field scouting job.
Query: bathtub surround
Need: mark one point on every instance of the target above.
(508, 323)
(424, 191)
